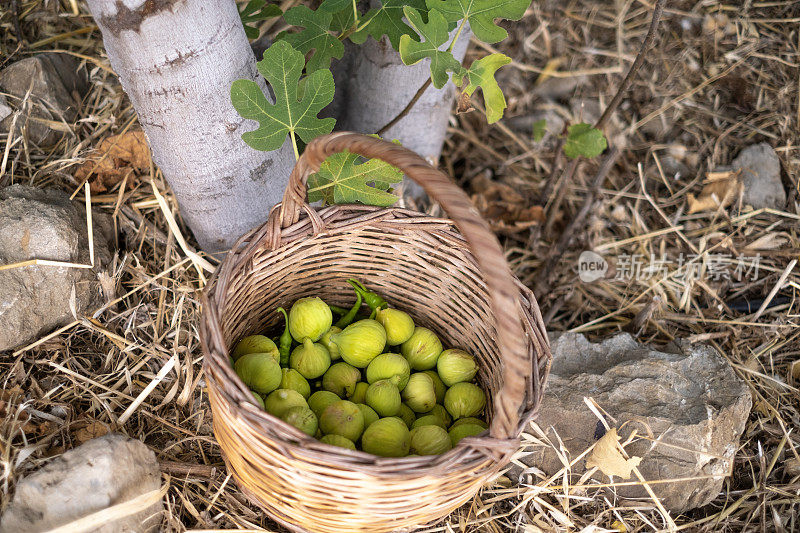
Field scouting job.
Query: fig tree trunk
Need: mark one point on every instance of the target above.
(176, 60)
(379, 86)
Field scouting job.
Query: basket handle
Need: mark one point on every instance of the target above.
(482, 242)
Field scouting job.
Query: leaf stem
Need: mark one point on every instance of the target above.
(294, 145)
(458, 33)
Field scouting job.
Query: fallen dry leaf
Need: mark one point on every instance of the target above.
(607, 457)
(721, 189)
(116, 158)
(507, 210)
(91, 430)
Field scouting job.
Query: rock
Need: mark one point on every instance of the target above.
(5, 109)
(56, 85)
(45, 224)
(692, 402)
(105, 471)
(761, 176)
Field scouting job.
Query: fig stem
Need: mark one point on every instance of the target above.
(374, 301)
(285, 341)
(351, 314)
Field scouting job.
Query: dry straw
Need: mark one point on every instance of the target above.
(450, 275)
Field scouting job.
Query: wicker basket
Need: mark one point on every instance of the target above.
(450, 275)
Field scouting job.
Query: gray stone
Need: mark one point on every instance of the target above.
(761, 176)
(691, 403)
(45, 224)
(56, 85)
(102, 472)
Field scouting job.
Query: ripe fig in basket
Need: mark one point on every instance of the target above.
(438, 386)
(441, 412)
(311, 359)
(255, 344)
(399, 326)
(464, 430)
(430, 440)
(464, 399)
(369, 413)
(470, 420)
(341, 379)
(302, 418)
(309, 318)
(391, 366)
(325, 340)
(388, 437)
(259, 401)
(360, 342)
(259, 371)
(342, 418)
(422, 349)
(338, 440)
(359, 393)
(455, 366)
(406, 414)
(320, 400)
(428, 420)
(292, 379)
(281, 400)
(384, 397)
(419, 394)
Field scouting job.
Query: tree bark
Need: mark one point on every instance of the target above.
(176, 60)
(379, 87)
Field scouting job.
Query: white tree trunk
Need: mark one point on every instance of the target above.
(379, 88)
(176, 60)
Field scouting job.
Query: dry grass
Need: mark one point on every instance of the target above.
(721, 77)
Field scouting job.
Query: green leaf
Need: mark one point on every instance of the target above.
(435, 34)
(341, 181)
(387, 20)
(314, 36)
(584, 140)
(481, 15)
(254, 11)
(282, 66)
(539, 129)
(481, 74)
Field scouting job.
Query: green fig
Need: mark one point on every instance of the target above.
(259, 371)
(259, 401)
(438, 386)
(464, 430)
(428, 420)
(406, 415)
(369, 413)
(422, 349)
(338, 440)
(342, 418)
(333, 349)
(430, 440)
(256, 344)
(441, 412)
(455, 366)
(387, 437)
(359, 393)
(360, 342)
(309, 318)
(469, 420)
(384, 397)
(320, 400)
(281, 400)
(302, 418)
(311, 359)
(399, 326)
(341, 379)
(464, 399)
(419, 394)
(391, 366)
(292, 379)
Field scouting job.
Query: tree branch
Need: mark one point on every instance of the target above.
(407, 108)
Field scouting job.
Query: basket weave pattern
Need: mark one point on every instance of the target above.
(449, 275)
